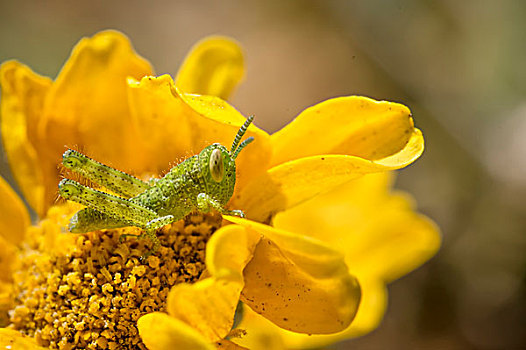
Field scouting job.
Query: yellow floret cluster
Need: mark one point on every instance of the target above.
(92, 296)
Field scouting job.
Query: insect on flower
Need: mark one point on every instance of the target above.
(202, 182)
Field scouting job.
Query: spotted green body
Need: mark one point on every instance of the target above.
(200, 183)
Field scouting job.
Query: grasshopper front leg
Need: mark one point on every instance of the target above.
(149, 232)
(205, 202)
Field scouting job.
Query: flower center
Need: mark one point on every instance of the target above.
(92, 296)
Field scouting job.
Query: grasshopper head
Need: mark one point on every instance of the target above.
(219, 165)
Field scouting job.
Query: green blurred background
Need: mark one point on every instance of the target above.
(459, 66)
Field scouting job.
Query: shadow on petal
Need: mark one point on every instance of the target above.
(23, 94)
(14, 218)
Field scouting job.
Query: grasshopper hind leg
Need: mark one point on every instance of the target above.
(87, 220)
(109, 211)
(115, 180)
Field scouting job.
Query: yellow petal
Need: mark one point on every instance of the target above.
(291, 183)
(261, 332)
(23, 94)
(179, 125)
(10, 339)
(87, 108)
(160, 331)
(379, 232)
(213, 67)
(353, 125)
(14, 218)
(162, 120)
(209, 305)
(49, 235)
(6, 302)
(407, 239)
(297, 283)
(411, 152)
(7, 259)
(229, 250)
(370, 314)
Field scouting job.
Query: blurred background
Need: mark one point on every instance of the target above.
(459, 66)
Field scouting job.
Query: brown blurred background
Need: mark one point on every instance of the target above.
(460, 67)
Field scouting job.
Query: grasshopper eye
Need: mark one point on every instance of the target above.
(217, 170)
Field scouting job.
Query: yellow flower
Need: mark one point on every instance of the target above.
(293, 262)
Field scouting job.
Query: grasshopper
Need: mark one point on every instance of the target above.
(200, 183)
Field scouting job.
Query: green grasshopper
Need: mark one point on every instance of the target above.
(202, 182)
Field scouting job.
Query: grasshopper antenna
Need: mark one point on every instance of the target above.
(241, 146)
(234, 151)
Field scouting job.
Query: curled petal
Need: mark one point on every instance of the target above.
(294, 299)
(354, 125)
(178, 125)
(291, 183)
(159, 331)
(23, 94)
(411, 152)
(370, 314)
(10, 339)
(87, 106)
(14, 218)
(209, 305)
(298, 283)
(262, 332)
(213, 67)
